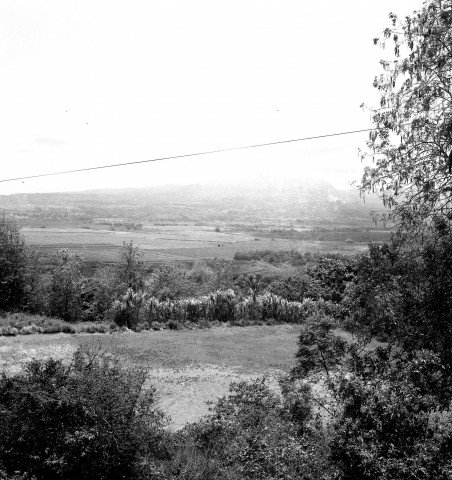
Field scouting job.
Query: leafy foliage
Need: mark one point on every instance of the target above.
(318, 348)
(292, 257)
(127, 309)
(413, 140)
(226, 306)
(407, 295)
(86, 420)
(66, 284)
(333, 275)
(296, 288)
(169, 282)
(14, 256)
(131, 268)
(391, 424)
(252, 435)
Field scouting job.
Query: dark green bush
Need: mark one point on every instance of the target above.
(174, 325)
(296, 289)
(395, 419)
(252, 434)
(318, 348)
(333, 275)
(406, 294)
(90, 419)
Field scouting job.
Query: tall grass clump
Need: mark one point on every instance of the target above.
(225, 306)
(26, 323)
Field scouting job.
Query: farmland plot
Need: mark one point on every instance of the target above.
(171, 243)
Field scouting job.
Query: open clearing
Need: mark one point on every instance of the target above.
(188, 367)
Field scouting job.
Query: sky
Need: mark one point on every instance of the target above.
(98, 82)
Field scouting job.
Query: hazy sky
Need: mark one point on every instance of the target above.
(87, 83)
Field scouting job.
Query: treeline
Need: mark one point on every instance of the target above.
(331, 234)
(291, 257)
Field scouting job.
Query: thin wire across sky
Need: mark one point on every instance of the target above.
(209, 152)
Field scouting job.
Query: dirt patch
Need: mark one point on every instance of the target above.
(13, 357)
(184, 393)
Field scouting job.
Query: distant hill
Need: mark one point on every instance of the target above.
(313, 203)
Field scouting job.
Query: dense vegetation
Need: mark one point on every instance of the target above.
(89, 419)
(127, 294)
(356, 409)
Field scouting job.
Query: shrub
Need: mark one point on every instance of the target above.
(94, 328)
(174, 325)
(25, 323)
(406, 293)
(296, 289)
(250, 435)
(333, 275)
(394, 420)
(89, 419)
(318, 348)
(128, 309)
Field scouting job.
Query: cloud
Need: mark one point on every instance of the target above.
(53, 142)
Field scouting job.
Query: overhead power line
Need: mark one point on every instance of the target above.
(173, 157)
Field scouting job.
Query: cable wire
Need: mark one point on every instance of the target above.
(209, 152)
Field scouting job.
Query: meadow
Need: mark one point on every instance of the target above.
(188, 367)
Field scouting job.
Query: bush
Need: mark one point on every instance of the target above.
(296, 289)
(174, 325)
(333, 276)
(88, 420)
(406, 293)
(318, 348)
(394, 420)
(26, 324)
(251, 434)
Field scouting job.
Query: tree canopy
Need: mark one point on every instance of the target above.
(412, 144)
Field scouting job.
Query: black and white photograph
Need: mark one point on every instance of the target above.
(225, 240)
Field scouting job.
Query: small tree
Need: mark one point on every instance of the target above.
(13, 264)
(171, 281)
(223, 273)
(66, 284)
(105, 287)
(131, 267)
(253, 285)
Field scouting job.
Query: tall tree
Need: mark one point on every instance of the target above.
(412, 144)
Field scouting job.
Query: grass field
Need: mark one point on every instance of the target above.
(188, 367)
